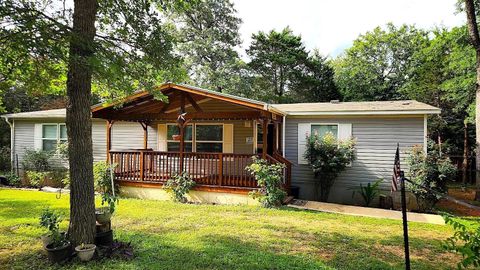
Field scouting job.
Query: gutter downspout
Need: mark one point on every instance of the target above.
(12, 142)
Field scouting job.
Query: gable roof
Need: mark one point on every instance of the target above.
(358, 108)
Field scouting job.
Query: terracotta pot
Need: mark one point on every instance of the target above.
(85, 252)
(176, 137)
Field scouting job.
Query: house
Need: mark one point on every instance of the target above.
(221, 132)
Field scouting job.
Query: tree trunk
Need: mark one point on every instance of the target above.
(79, 125)
(475, 40)
(465, 155)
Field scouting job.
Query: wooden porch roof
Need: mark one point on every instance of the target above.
(142, 106)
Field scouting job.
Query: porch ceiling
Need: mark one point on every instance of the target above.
(142, 106)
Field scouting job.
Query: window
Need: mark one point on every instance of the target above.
(174, 145)
(52, 134)
(321, 130)
(209, 138)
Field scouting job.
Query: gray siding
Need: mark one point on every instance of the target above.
(24, 139)
(376, 144)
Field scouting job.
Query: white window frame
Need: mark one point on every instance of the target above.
(58, 135)
(203, 141)
(194, 140)
(325, 124)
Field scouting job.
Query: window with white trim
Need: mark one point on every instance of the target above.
(323, 129)
(174, 144)
(53, 134)
(209, 138)
(198, 137)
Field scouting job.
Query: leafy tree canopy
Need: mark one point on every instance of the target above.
(379, 63)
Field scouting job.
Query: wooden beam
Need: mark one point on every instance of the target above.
(194, 103)
(245, 115)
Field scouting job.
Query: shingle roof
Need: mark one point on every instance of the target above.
(322, 108)
(57, 113)
(358, 108)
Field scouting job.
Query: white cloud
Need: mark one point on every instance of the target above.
(331, 25)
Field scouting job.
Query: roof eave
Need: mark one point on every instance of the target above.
(397, 112)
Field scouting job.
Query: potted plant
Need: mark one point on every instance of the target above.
(103, 214)
(49, 220)
(176, 137)
(55, 243)
(85, 251)
(104, 183)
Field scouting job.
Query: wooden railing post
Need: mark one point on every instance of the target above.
(220, 169)
(142, 165)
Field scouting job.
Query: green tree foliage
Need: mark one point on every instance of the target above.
(284, 71)
(379, 63)
(315, 81)
(207, 32)
(444, 76)
(465, 241)
(275, 56)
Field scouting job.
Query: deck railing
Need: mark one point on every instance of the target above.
(215, 169)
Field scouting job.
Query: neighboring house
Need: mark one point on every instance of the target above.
(222, 132)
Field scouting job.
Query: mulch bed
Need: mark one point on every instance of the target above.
(468, 196)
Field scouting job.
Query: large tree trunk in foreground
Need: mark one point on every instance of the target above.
(475, 39)
(79, 125)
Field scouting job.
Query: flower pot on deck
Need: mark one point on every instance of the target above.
(176, 137)
(104, 238)
(58, 254)
(85, 252)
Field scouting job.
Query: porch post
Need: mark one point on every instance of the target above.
(145, 134)
(109, 138)
(182, 145)
(265, 138)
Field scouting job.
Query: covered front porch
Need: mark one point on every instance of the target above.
(211, 136)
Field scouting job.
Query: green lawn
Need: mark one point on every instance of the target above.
(169, 235)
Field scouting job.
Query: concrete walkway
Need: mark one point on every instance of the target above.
(365, 211)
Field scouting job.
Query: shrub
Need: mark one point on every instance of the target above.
(327, 157)
(369, 192)
(5, 158)
(432, 171)
(13, 179)
(59, 177)
(179, 185)
(269, 179)
(36, 179)
(465, 241)
(37, 161)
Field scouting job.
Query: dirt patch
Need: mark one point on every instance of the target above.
(466, 195)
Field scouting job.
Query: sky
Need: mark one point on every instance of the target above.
(332, 25)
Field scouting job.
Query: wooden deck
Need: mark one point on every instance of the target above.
(210, 170)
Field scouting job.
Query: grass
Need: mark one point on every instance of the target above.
(169, 235)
